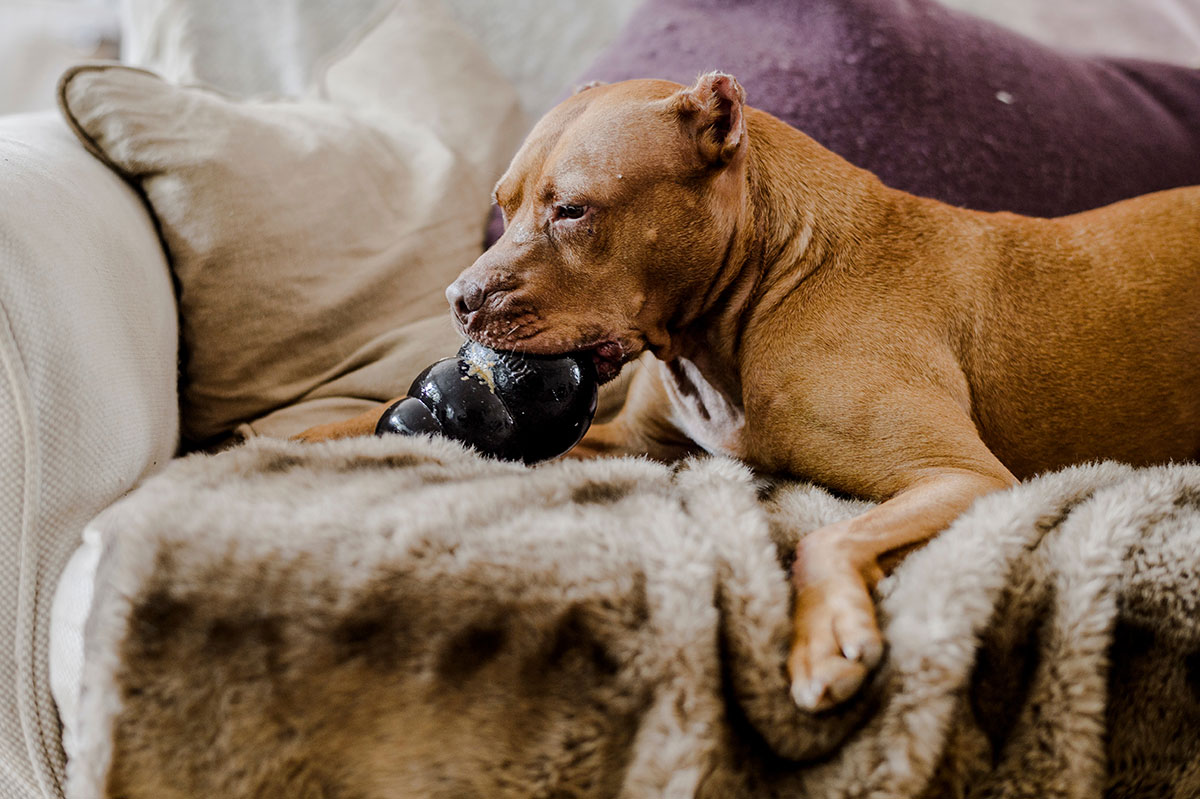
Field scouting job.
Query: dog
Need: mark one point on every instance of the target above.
(814, 323)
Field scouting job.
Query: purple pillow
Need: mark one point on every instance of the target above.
(935, 102)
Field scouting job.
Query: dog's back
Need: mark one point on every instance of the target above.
(1088, 340)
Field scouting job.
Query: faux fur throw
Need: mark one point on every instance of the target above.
(399, 619)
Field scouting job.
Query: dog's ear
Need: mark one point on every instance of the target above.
(712, 112)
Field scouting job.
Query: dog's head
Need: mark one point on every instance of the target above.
(619, 210)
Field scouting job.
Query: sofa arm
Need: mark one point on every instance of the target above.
(88, 400)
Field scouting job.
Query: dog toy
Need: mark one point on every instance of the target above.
(507, 405)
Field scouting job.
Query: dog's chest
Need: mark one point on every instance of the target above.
(708, 411)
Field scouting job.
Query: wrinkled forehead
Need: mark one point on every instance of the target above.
(617, 132)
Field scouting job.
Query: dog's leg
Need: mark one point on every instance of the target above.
(361, 425)
(916, 449)
(836, 638)
(643, 426)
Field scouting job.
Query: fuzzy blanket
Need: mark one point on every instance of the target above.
(398, 618)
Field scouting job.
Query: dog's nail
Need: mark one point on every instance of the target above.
(852, 651)
(800, 694)
(872, 653)
(807, 694)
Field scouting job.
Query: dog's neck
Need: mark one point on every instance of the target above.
(802, 208)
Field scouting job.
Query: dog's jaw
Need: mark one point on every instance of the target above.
(609, 351)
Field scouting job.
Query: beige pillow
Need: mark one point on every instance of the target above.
(310, 242)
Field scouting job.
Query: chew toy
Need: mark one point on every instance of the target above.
(508, 405)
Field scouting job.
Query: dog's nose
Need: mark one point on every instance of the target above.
(464, 296)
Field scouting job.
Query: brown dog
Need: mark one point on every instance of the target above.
(815, 323)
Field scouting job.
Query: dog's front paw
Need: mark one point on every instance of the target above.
(602, 440)
(836, 640)
(358, 426)
(322, 432)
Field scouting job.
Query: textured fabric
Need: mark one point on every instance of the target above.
(87, 398)
(937, 103)
(398, 617)
(304, 235)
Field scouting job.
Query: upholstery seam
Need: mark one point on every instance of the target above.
(28, 710)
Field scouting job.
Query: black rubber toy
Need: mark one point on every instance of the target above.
(508, 405)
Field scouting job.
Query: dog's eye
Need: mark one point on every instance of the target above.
(569, 211)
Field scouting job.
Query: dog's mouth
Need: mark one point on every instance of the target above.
(608, 349)
(609, 357)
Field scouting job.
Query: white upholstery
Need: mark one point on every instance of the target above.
(87, 397)
(1160, 30)
(565, 37)
(272, 47)
(278, 46)
(41, 38)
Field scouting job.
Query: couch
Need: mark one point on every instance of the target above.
(89, 344)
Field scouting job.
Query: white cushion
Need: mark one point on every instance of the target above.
(280, 46)
(1160, 30)
(265, 47)
(38, 40)
(543, 46)
(87, 395)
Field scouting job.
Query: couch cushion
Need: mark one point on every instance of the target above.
(540, 45)
(311, 241)
(268, 47)
(87, 398)
(235, 46)
(935, 102)
(1164, 30)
